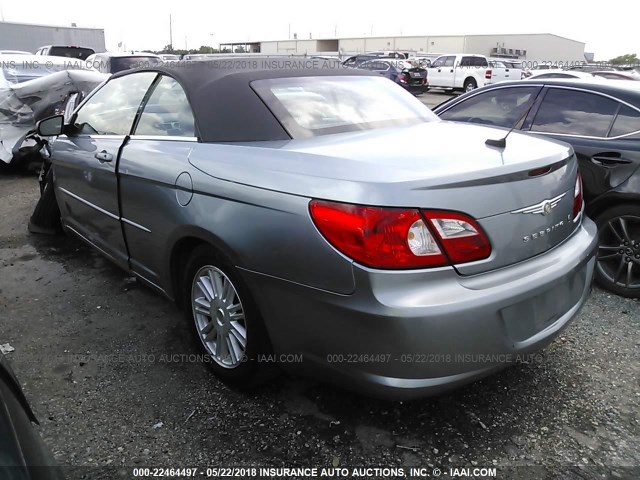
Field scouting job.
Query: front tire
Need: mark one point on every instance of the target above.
(618, 267)
(224, 319)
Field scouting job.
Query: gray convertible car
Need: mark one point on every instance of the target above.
(281, 205)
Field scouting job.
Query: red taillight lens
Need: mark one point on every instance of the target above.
(578, 198)
(488, 74)
(462, 238)
(378, 237)
(403, 78)
(399, 238)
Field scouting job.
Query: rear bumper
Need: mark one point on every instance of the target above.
(416, 89)
(415, 333)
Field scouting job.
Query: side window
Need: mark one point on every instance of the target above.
(466, 61)
(556, 75)
(501, 107)
(439, 62)
(167, 112)
(479, 62)
(449, 61)
(574, 112)
(627, 121)
(111, 110)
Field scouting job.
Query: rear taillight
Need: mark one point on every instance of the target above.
(462, 238)
(578, 199)
(399, 238)
(403, 78)
(488, 74)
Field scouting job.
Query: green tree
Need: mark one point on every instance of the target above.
(628, 59)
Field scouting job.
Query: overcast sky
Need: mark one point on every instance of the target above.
(609, 29)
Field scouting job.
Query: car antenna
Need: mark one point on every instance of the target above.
(502, 142)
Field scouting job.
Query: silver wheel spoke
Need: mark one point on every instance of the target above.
(239, 333)
(204, 284)
(227, 292)
(207, 328)
(203, 306)
(234, 308)
(629, 274)
(217, 283)
(235, 348)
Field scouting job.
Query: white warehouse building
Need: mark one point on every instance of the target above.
(540, 47)
(30, 37)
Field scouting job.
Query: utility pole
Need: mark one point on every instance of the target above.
(289, 31)
(170, 34)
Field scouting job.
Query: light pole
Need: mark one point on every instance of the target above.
(211, 35)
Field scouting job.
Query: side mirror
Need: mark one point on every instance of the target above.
(51, 126)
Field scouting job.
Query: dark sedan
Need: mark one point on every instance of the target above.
(413, 79)
(601, 120)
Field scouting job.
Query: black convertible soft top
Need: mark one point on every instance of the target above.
(225, 107)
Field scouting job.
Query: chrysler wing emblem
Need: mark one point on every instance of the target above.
(543, 208)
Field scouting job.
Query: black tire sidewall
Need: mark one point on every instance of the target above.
(602, 220)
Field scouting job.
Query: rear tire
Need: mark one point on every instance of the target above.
(224, 320)
(618, 267)
(470, 84)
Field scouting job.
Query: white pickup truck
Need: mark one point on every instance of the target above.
(459, 72)
(504, 70)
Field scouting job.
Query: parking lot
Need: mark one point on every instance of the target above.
(106, 365)
(435, 97)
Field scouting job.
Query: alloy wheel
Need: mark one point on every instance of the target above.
(219, 316)
(619, 251)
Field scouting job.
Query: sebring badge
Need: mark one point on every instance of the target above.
(543, 208)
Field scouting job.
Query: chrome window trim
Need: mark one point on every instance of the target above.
(174, 138)
(611, 97)
(475, 94)
(97, 136)
(588, 137)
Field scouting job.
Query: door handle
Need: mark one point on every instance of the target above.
(104, 156)
(609, 159)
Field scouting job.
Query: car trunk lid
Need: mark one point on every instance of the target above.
(432, 166)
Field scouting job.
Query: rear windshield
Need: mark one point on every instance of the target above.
(71, 52)
(125, 63)
(313, 106)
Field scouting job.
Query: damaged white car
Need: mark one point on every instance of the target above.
(23, 104)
